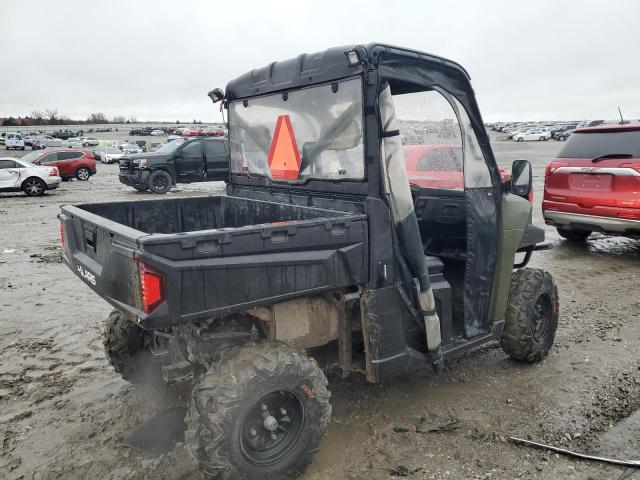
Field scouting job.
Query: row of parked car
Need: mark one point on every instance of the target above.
(540, 131)
(199, 131)
(17, 141)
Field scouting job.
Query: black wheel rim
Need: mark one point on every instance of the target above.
(272, 427)
(34, 187)
(160, 182)
(542, 317)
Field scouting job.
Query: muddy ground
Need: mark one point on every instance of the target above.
(64, 412)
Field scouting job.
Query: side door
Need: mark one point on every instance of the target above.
(189, 162)
(217, 159)
(9, 174)
(69, 162)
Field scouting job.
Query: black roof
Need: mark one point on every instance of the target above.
(320, 67)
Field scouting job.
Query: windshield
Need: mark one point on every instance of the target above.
(169, 147)
(30, 157)
(318, 134)
(597, 144)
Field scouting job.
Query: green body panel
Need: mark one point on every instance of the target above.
(516, 215)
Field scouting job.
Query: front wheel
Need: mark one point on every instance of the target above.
(259, 414)
(532, 315)
(160, 182)
(83, 174)
(520, 139)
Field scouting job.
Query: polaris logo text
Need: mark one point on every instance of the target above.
(87, 275)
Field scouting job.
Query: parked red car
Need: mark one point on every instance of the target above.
(195, 132)
(214, 132)
(71, 162)
(438, 166)
(593, 185)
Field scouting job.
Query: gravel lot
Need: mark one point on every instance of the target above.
(63, 411)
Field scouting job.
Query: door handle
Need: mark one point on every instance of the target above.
(12, 171)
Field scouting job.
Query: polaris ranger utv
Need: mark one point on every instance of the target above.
(320, 253)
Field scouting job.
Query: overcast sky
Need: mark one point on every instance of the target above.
(157, 59)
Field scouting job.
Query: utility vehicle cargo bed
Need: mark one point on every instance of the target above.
(216, 254)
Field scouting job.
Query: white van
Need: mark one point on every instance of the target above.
(13, 140)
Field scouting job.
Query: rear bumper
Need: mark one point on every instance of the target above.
(605, 224)
(52, 182)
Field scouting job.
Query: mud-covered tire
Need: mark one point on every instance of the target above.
(126, 346)
(574, 235)
(221, 419)
(532, 315)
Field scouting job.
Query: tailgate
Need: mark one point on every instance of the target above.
(103, 255)
(593, 186)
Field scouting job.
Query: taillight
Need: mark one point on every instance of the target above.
(54, 172)
(553, 166)
(62, 234)
(152, 288)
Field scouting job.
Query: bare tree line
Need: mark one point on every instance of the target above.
(52, 117)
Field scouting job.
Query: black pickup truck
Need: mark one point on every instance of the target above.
(196, 160)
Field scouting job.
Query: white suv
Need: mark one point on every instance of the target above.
(13, 140)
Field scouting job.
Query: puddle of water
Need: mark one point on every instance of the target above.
(602, 245)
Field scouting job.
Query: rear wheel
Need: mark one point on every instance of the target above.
(133, 352)
(259, 414)
(520, 139)
(160, 182)
(34, 187)
(542, 139)
(83, 174)
(574, 235)
(532, 315)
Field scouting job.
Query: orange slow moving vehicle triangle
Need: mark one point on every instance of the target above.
(284, 157)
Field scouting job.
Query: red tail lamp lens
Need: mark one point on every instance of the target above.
(62, 234)
(553, 166)
(151, 288)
